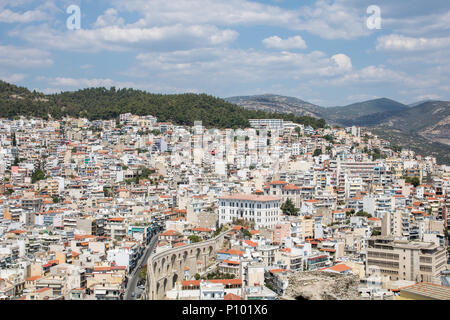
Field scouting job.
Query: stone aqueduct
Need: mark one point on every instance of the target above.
(166, 268)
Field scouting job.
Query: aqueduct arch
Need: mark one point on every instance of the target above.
(167, 267)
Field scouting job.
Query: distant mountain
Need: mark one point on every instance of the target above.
(423, 127)
(430, 120)
(277, 103)
(102, 103)
(362, 112)
(346, 115)
(415, 104)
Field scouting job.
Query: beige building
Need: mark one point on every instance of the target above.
(53, 187)
(406, 260)
(307, 226)
(255, 274)
(395, 224)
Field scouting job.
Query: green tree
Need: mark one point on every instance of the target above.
(156, 132)
(146, 172)
(194, 238)
(363, 214)
(143, 273)
(107, 192)
(329, 138)
(247, 233)
(317, 152)
(289, 208)
(37, 175)
(415, 181)
(349, 213)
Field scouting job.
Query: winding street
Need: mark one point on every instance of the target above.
(134, 276)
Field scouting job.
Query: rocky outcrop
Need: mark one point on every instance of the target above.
(318, 285)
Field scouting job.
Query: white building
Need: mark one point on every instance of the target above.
(266, 123)
(205, 289)
(264, 211)
(212, 291)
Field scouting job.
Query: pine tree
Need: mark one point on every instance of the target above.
(289, 208)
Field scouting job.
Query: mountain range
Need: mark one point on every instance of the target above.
(423, 126)
(103, 103)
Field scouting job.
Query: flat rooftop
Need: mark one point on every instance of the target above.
(427, 290)
(249, 197)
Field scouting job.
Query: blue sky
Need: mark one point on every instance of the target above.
(321, 51)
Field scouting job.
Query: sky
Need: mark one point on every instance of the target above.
(327, 52)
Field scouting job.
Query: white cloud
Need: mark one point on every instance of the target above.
(343, 61)
(423, 24)
(12, 78)
(328, 20)
(109, 18)
(84, 82)
(8, 16)
(428, 97)
(383, 75)
(361, 97)
(24, 57)
(397, 42)
(221, 71)
(116, 38)
(59, 84)
(295, 42)
(333, 20)
(217, 12)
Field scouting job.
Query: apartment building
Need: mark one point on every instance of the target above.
(406, 260)
(264, 211)
(266, 123)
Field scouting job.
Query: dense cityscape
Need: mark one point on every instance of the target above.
(138, 209)
(212, 158)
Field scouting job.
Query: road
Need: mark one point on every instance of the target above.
(134, 276)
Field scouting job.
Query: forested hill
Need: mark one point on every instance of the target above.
(102, 103)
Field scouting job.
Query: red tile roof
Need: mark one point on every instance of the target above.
(339, 268)
(231, 296)
(291, 187)
(235, 252)
(278, 182)
(251, 243)
(186, 283)
(231, 262)
(179, 244)
(170, 233)
(278, 270)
